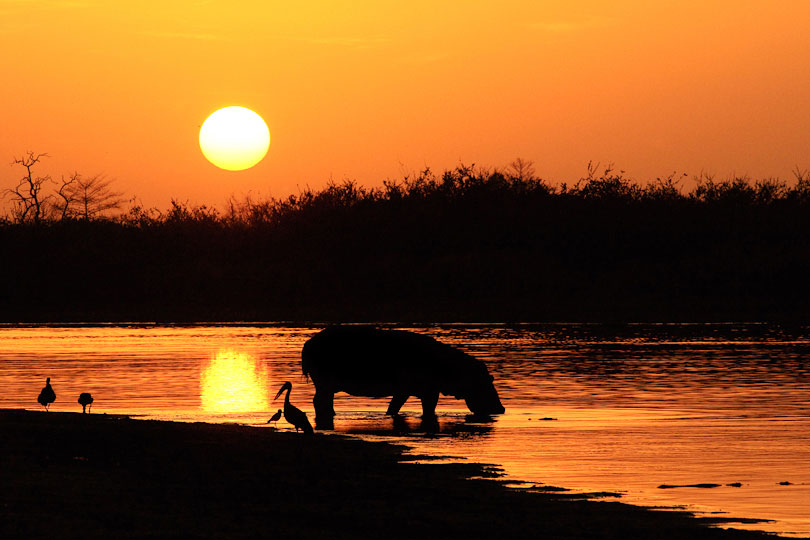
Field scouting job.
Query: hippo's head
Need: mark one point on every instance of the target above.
(465, 377)
(483, 399)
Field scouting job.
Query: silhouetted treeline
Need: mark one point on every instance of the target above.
(468, 244)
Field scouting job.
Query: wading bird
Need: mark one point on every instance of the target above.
(47, 396)
(293, 414)
(275, 417)
(85, 400)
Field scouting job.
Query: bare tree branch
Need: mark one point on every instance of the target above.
(67, 196)
(521, 169)
(95, 196)
(74, 197)
(26, 196)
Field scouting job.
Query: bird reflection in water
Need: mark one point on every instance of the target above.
(233, 381)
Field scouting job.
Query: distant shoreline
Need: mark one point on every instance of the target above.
(465, 246)
(100, 476)
(315, 324)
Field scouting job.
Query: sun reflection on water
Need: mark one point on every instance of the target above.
(233, 381)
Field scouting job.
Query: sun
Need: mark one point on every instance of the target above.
(234, 138)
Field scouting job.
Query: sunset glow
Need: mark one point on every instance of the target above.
(494, 245)
(370, 90)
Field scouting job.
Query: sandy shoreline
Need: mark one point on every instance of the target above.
(103, 476)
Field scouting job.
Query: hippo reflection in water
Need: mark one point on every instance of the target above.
(366, 361)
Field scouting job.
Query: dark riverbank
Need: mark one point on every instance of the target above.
(97, 476)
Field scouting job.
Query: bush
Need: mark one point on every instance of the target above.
(469, 244)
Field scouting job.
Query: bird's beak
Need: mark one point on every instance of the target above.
(279, 393)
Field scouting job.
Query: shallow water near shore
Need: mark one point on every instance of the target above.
(592, 408)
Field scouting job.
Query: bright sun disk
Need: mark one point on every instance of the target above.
(234, 138)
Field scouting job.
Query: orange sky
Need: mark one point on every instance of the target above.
(371, 89)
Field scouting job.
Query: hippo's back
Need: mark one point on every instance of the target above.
(363, 360)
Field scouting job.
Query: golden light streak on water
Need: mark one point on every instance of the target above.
(233, 381)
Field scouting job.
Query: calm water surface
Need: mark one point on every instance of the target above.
(593, 408)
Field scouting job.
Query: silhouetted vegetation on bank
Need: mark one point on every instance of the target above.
(468, 244)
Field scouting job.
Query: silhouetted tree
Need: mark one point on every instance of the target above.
(93, 195)
(802, 189)
(521, 170)
(75, 196)
(65, 196)
(27, 200)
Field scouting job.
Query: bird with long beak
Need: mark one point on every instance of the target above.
(293, 414)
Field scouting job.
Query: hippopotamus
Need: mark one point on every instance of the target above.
(367, 361)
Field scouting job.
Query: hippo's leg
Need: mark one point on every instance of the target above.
(396, 404)
(429, 402)
(324, 402)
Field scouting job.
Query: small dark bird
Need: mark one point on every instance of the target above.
(47, 396)
(275, 417)
(85, 400)
(293, 414)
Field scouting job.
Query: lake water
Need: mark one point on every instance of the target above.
(592, 408)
